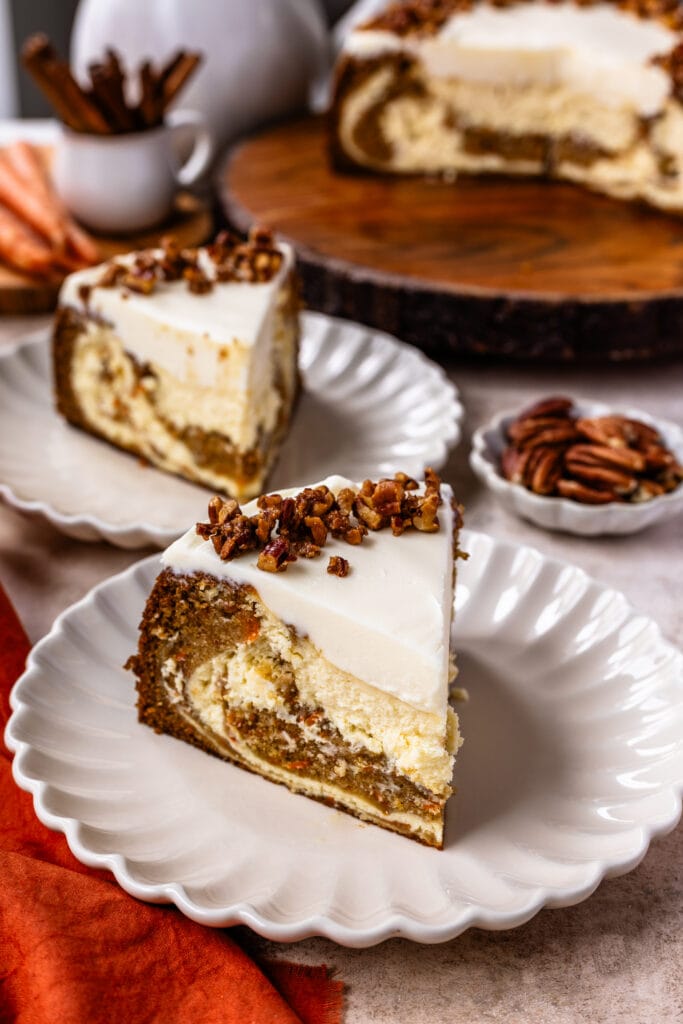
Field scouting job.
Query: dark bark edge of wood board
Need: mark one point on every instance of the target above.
(495, 266)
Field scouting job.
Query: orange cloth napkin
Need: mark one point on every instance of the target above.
(77, 949)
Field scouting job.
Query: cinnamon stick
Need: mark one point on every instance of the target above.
(108, 91)
(184, 66)
(35, 54)
(150, 107)
(74, 106)
(104, 110)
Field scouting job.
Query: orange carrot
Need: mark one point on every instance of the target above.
(30, 205)
(27, 163)
(81, 244)
(21, 248)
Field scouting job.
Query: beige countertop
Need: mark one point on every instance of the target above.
(616, 957)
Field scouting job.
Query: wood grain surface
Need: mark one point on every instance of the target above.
(494, 265)
(191, 222)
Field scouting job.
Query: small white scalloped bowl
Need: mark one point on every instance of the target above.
(554, 513)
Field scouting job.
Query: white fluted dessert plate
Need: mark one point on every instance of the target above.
(573, 761)
(371, 405)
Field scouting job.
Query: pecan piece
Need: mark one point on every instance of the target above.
(408, 483)
(387, 497)
(604, 455)
(657, 457)
(338, 566)
(543, 470)
(354, 535)
(143, 282)
(617, 431)
(305, 549)
(601, 474)
(317, 529)
(513, 462)
(560, 434)
(270, 501)
(276, 556)
(367, 514)
(556, 405)
(647, 490)
(426, 520)
(263, 525)
(585, 494)
(345, 500)
(111, 275)
(197, 281)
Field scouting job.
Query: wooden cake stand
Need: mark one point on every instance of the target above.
(532, 269)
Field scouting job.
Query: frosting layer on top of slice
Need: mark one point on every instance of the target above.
(387, 622)
(189, 335)
(598, 49)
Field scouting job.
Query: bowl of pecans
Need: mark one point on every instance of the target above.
(581, 466)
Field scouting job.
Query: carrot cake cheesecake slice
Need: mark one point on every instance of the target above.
(584, 90)
(306, 637)
(185, 357)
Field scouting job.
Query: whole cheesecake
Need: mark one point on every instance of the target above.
(590, 92)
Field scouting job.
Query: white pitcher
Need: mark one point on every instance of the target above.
(261, 56)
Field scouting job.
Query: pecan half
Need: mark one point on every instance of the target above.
(543, 470)
(585, 494)
(617, 431)
(556, 405)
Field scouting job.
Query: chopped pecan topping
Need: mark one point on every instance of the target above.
(197, 281)
(285, 529)
(276, 556)
(338, 566)
(427, 17)
(594, 460)
(417, 17)
(111, 275)
(256, 260)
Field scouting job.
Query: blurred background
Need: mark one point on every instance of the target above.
(19, 97)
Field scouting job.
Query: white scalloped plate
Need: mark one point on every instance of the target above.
(573, 761)
(371, 405)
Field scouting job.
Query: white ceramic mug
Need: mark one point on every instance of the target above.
(120, 183)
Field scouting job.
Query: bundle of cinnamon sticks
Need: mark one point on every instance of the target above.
(37, 234)
(106, 106)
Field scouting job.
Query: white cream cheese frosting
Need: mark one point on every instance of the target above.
(198, 339)
(387, 623)
(597, 50)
